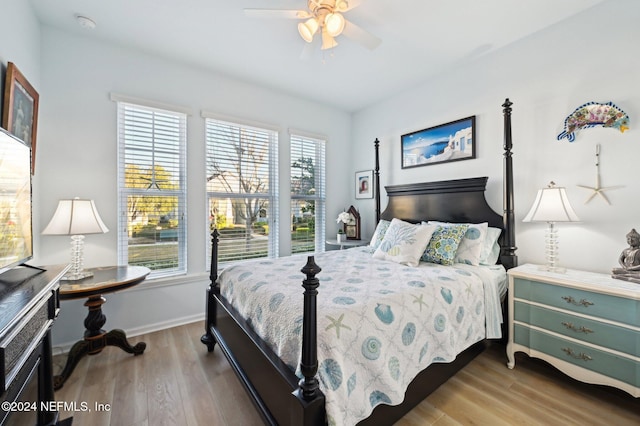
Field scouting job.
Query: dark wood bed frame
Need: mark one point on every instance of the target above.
(282, 398)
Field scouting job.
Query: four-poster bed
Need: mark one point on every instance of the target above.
(284, 397)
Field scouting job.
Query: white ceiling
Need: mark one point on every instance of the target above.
(420, 38)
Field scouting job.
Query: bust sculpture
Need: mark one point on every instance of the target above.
(629, 259)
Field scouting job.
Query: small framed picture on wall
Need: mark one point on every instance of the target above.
(364, 184)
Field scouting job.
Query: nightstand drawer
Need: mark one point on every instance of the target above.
(621, 368)
(594, 304)
(609, 336)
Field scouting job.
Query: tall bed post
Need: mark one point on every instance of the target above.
(308, 393)
(377, 179)
(210, 314)
(508, 255)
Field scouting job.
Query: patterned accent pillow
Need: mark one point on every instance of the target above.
(471, 245)
(378, 235)
(404, 242)
(490, 248)
(444, 244)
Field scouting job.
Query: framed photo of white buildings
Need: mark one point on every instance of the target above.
(447, 142)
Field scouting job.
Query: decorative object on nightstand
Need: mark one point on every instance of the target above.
(599, 190)
(352, 227)
(350, 223)
(343, 218)
(629, 260)
(76, 218)
(551, 205)
(585, 324)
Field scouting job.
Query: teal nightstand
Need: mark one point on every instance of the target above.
(585, 324)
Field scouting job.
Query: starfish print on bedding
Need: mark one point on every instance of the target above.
(419, 300)
(468, 288)
(337, 323)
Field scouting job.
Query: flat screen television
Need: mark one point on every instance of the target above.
(16, 237)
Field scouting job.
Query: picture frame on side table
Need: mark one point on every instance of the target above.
(364, 184)
(447, 142)
(20, 109)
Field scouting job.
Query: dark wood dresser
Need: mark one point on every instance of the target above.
(29, 304)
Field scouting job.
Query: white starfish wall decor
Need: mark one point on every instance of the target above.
(599, 190)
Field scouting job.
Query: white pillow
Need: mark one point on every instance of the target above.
(470, 248)
(404, 242)
(378, 235)
(490, 248)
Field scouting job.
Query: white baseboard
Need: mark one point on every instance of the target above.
(64, 348)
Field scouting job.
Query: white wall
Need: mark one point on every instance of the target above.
(77, 157)
(547, 75)
(20, 42)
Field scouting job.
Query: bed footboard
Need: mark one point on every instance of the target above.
(277, 393)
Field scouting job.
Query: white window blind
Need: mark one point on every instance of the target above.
(152, 188)
(242, 189)
(307, 194)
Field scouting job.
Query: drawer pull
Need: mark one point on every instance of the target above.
(574, 355)
(582, 302)
(581, 329)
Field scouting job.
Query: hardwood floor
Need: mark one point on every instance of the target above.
(177, 382)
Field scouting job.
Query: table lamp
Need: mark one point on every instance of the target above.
(551, 206)
(76, 218)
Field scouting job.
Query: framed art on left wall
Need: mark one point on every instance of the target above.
(20, 109)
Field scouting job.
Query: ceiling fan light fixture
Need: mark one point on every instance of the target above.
(334, 23)
(308, 29)
(328, 42)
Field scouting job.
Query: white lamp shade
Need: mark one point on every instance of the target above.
(334, 23)
(75, 217)
(308, 29)
(551, 205)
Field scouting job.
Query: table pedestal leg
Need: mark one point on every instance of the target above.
(95, 340)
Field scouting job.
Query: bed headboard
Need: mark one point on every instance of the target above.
(459, 200)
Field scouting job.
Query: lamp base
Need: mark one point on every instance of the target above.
(552, 268)
(76, 275)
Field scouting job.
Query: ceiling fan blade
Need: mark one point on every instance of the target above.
(361, 36)
(277, 13)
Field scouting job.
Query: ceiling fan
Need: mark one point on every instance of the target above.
(326, 17)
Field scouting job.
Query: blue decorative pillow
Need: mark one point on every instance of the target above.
(378, 235)
(404, 242)
(471, 245)
(444, 244)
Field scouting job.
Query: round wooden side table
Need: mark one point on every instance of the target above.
(104, 280)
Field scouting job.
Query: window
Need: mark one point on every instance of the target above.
(242, 189)
(152, 188)
(307, 194)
